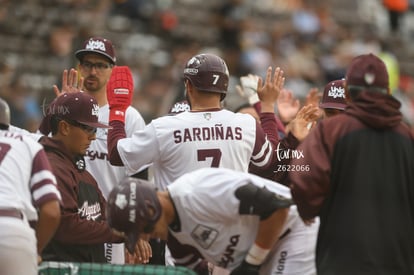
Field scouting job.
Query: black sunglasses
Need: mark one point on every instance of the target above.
(88, 129)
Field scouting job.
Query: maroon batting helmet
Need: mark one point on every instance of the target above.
(207, 72)
(133, 207)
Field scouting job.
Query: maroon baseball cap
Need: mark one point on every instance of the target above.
(334, 95)
(367, 70)
(79, 107)
(97, 45)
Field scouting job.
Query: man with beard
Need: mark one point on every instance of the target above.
(97, 63)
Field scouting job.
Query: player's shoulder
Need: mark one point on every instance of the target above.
(169, 119)
(20, 139)
(244, 116)
(132, 111)
(228, 113)
(134, 117)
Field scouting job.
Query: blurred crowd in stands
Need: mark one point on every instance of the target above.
(312, 40)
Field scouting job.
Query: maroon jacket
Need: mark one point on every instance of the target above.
(358, 177)
(83, 229)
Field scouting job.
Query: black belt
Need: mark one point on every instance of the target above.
(12, 213)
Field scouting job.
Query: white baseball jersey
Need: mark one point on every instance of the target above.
(105, 174)
(25, 174)
(96, 158)
(210, 221)
(26, 182)
(35, 136)
(191, 140)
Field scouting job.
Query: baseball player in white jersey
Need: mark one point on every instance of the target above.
(107, 175)
(192, 140)
(97, 162)
(238, 221)
(206, 136)
(97, 66)
(28, 193)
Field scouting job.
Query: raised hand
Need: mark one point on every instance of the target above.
(70, 83)
(287, 106)
(313, 97)
(269, 90)
(119, 91)
(305, 119)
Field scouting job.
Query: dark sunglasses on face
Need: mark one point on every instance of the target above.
(98, 66)
(88, 129)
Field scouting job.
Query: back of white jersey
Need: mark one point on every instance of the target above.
(208, 211)
(189, 141)
(25, 175)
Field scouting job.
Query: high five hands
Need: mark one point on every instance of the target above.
(71, 83)
(269, 90)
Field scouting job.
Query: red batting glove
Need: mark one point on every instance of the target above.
(119, 91)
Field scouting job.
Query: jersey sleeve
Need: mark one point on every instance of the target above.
(133, 121)
(266, 159)
(114, 135)
(43, 182)
(140, 149)
(266, 141)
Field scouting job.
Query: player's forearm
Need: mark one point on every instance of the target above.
(48, 222)
(74, 230)
(116, 133)
(269, 126)
(271, 228)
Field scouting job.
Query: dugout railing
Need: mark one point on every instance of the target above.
(69, 268)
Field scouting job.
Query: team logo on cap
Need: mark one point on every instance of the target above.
(95, 45)
(369, 78)
(336, 92)
(95, 110)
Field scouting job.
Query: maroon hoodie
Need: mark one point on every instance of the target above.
(83, 229)
(360, 182)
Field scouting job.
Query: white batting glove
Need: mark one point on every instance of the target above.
(248, 88)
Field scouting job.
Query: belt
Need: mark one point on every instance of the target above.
(12, 213)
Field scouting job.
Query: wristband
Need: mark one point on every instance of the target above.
(256, 255)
